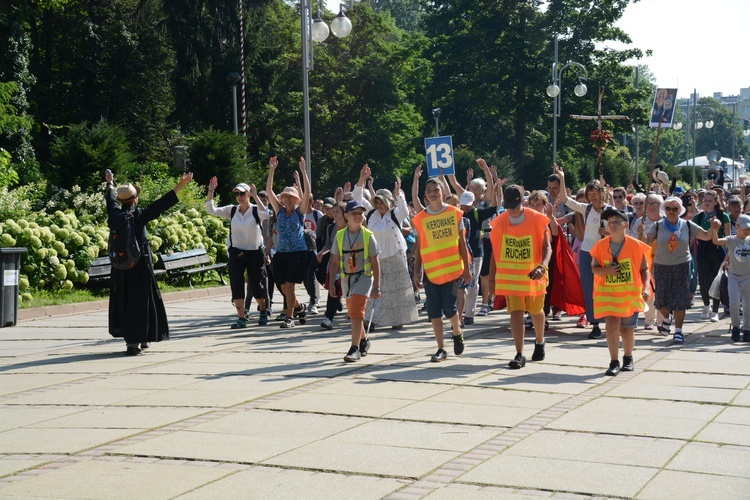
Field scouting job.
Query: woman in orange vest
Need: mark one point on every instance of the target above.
(445, 258)
(521, 250)
(621, 286)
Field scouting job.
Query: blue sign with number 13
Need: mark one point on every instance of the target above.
(439, 156)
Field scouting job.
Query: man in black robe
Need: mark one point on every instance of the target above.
(136, 309)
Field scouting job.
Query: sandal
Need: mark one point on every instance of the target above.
(665, 327)
(678, 338)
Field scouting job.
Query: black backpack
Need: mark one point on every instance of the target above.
(393, 217)
(234, 211)
(124, 250)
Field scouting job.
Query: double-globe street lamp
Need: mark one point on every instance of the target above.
(315, 30)
(698, 123)
(554, 91)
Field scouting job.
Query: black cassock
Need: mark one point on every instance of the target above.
(136, 309)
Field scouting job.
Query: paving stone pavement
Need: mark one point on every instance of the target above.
(272, 413)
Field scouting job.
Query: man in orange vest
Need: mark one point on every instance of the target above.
(445, 258)
(621, 286)
(521, 249)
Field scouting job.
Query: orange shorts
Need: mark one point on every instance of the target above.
(356, 306)
(534, 305)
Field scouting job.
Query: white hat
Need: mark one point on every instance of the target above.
(467, 198)
(242, 187)
(673, 199)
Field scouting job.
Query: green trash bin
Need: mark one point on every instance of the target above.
(10, 267)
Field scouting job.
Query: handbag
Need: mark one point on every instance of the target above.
(715, 291)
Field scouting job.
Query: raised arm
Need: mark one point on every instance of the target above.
(490, 193)
(304, 183)
(714, 231)
(359, 189)
(402, 209)
(415, 190)
(454, 182)
(563, 192)
(272, 164)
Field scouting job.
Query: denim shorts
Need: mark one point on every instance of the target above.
(441, 299)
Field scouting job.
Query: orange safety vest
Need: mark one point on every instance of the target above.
(517, 251)
(619, 295)
(438, 244)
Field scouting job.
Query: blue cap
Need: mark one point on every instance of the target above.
(678, 191)
(353, 205)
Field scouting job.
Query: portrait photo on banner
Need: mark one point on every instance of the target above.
(665, 101)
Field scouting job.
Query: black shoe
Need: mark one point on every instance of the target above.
(364, 346)
(397, 327)
(614, 368)
(546, 325)
(353, 355)
(468, 320)
(458, 343)
(746, 336)
(538, 352)
(133, 351)
(145, 345)
(596, 333)
(440, 355)
(627, 364)
(735, 334)
(518, 362)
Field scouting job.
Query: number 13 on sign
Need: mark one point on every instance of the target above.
(439, 156)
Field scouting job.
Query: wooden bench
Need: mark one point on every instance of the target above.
(187, 264)
(101, 269)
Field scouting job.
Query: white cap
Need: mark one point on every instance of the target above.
(467, 198)
(242, 187)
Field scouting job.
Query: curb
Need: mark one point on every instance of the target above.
(103, 305)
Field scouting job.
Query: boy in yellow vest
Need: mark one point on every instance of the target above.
(445, 258)
(354, 255)
(621, 286)
(521, 249)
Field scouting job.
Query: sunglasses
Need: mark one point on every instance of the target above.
(240, 193)
(616, 197)
(637, 203)
(671, 209)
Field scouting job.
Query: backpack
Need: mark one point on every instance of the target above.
(124, 250)
(234, 211)
(309, 233)
(393, 217)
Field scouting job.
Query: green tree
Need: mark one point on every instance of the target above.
(221, 154)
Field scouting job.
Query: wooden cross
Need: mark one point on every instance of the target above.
(599, 119)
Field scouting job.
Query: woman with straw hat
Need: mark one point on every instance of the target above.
(290, 259)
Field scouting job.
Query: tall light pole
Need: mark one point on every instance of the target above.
(678, 126)
(315, 30)
(554, 91)
(234, 79)
(436, 114)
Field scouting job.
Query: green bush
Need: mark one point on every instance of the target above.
(220, 154)
(80, 156)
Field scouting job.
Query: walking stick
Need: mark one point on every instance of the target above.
(372, 314)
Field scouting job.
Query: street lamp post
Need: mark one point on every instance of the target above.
(315, 30)
(436, 114)
(554, 91)
(234, 79)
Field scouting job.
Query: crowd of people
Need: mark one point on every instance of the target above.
(604, 255)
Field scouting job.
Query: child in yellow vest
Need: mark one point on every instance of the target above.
(521, 250)
(354, 254)
(621, 286)
(444, 255)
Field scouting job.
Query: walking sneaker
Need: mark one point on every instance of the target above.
(353, 355)
(483, 310)
(468, 320)
(538, 352)
(627, 364)
(582, 322)
(263, 319)
(247, 314)
(364, 346)
(133, 351)
(528, 322)
(240, 323)
(648, 326)
(439, 356)
(614, 368)
(596, 333)
(280, 317)
(518, 362)
(705, 313)
(556, 316)
(287, 322)
(312, 309)
(735, 334)
(714, 317)
(326, 324)
(458, 343)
